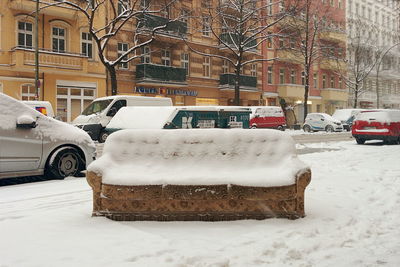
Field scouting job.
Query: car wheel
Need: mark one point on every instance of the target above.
(64, 162)
(281, 128)
(254, 127)
(329, 129)
(307, 128)
(360, 141)
(103, 136)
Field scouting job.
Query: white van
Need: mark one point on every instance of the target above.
(43, 107)
(98, 114)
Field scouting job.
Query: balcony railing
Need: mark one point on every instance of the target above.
(245, 81)
(160, 73)
(149, 22)
(234, 40)
(47, 58)
(52, 7)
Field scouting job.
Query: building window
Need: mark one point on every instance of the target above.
(145, 58)
(269, 40)
(281, 76)
(303, 78)
(340, 4)
(28, 92)
(185, 62)
(206, 66)
(225, 66)
(253, 70)
(340, 83)
(87, 44)
(269, 75)
(25, 34)
(122, 48)
(292, 76)
(270, 5)
(281, 43)
(206, 26)
(332, 81)
(323, 81)
(315, 80)
(59, 35)
(165, 57)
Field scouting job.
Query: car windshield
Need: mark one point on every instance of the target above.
(96, 107)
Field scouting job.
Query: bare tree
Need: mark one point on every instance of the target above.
(363, 56)
(120, 13)
(305, 30)
(239, 28)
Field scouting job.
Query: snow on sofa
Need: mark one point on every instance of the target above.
(198, 174)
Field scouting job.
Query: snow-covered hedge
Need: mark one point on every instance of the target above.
(197, 157)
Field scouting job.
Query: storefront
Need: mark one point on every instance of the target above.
(73, 98)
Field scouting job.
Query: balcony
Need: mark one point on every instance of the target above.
(334, 94)
(232, 39)
(333, 64)
(29, 6)
(290, 56)
(291, 90)
(160, 73)
(48, 59)
(334, 36)
(149, 22)
(227, 80)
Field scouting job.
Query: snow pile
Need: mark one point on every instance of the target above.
(142, 117)
(201, 156)
(12, 110)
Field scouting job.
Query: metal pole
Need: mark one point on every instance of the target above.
(37, 82)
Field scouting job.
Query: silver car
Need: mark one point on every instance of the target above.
(34, 144)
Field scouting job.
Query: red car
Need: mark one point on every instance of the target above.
(267, 117)
(377, 125)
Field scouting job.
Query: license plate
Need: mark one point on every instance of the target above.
(370, 128)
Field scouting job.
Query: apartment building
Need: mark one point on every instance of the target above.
(70, 74)
(169, 68)
(284, 78)
(379, 21)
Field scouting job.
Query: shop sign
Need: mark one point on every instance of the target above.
(164, 91)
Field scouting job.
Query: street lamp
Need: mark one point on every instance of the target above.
(37, 82)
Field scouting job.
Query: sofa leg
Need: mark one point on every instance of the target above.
(95, 183)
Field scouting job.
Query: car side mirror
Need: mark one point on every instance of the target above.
(322, 119)
(26, 122)
(112, 112)
(257, 115)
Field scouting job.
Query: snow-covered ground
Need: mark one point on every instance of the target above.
(352, 207)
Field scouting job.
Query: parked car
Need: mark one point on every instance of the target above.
(377, 125)
(321, 122)
(43, 107)
(346, 116)
(98, 114)
(34, 144)
(184, 117)
(267, 117)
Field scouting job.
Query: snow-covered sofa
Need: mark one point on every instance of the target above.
(198, 174)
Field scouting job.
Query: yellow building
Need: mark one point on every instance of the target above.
(71, 75)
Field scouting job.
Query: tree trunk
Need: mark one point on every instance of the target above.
(113, 78)
(355, 96)
(236, 101)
